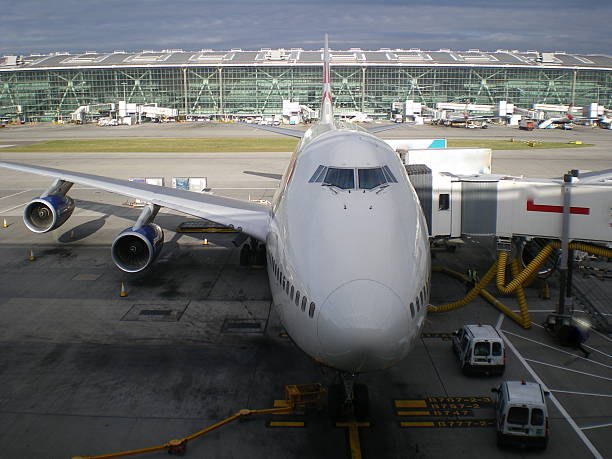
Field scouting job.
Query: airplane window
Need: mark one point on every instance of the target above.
(418, 302)
(371, 178)
(311, 310)
(412, 310)
(421, 296)
(389, 175)
(297, 298)
(291, 294)
(304, 300)
(341, 178)
(318, 175)
(287, 288)
(283, 282)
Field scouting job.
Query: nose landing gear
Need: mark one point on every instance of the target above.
(348, 399)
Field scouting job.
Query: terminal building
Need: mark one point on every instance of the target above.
(236, 82)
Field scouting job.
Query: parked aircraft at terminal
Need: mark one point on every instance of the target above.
(346, 240)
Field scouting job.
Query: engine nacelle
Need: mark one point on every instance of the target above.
(48, 213)
(134, 250)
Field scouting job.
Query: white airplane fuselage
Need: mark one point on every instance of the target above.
(360, 257)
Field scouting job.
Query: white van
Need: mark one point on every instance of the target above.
(480, 348)
(521, 414)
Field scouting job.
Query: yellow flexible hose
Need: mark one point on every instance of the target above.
(523, 275)
(501, 307)
(473, 293)
(539, 259)
(516, 285)
(484, 293)
(520, 296)
(592, 249)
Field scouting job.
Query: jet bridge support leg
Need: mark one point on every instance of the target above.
(565, 280)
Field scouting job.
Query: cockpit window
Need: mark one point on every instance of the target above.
(344, 178)
(388, 175)
(371, 178)
(341, 178)
(318, 175)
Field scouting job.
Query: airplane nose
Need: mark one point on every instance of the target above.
(363, 326)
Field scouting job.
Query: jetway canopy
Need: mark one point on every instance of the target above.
(504, 206)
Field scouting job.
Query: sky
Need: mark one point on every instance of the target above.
(41, 26)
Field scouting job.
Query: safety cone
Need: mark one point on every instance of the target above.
(31, 257)
(5, 224)
(205, 241)
(123, 292)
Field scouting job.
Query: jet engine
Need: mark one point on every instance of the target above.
(135, 249)
(48, 212)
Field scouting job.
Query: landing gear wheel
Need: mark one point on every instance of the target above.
(260, 255)
(361, 402)
(335, 401)
(245, 255)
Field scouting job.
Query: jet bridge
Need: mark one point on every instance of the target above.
(472, 201)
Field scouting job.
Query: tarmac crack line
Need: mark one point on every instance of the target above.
(435, 368)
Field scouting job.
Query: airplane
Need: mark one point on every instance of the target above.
(346, 242)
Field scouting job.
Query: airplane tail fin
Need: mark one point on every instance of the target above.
(326, 113)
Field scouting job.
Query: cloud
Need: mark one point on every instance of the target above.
(43, 26)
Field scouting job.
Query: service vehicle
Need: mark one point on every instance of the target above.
(480, 349)
(527, 125)
(521, 414)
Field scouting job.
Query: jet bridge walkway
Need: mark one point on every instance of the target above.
(576, 208)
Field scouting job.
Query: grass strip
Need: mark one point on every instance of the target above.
(165, 145)
(242, 144)
(510, 145)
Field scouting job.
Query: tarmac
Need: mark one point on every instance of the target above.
(84, 371)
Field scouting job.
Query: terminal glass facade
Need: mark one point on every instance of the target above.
(46, 95)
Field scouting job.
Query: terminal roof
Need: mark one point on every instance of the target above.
(298, 57)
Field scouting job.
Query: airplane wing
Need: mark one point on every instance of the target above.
(278, 130)
(250, 218)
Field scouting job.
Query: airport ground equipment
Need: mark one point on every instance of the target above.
(480, 349)
(573, 209)
(477, 203)
(80, 114)
(521, 277)
(298, 397)
(11, 111)
(479, 289)
(522, 415)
